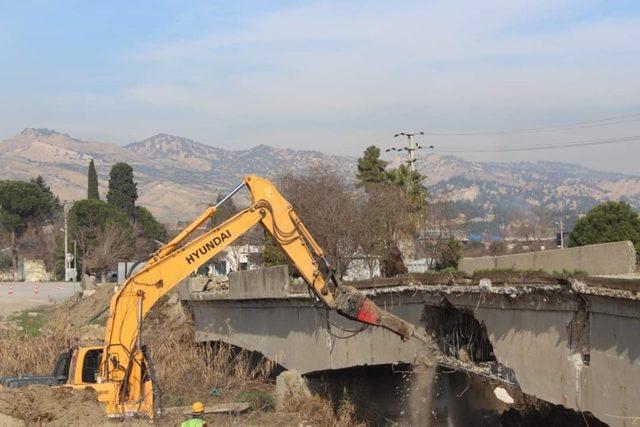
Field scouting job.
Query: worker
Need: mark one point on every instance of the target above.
(197, 414)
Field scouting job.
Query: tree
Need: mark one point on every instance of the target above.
(113, 244)
(411, 182)
(497, 247)
(92, 185)
(88, 219)
(439, 231)
(5, 261)
(148, 232)
(23, 204)
(272, 255)
(122, 190)
(393, 262)
(327, 207)
(52, 207)
(385, 217)
(371, 170)
(152, 229)
(607, 222)
(449, 253)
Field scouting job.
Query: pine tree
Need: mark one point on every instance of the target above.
(122, 190)
(92, 187)
(54, 202)
(607, 222)
(370, 167)
(23, 204)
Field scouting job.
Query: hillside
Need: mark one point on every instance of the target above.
(490, 193)
(178, 177)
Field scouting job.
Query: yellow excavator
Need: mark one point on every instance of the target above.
(121, 371)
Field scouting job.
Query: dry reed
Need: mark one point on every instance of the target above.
(191, 370)
(187, 370)
(21, 353)
(320, 411)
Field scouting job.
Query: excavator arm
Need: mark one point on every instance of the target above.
(124, 361)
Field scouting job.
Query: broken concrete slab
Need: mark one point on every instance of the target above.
(290, 385)
(503, 395)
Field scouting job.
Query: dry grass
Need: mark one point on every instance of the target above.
(36, 353)
(320, 411)
(188, 371)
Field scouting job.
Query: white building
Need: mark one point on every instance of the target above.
(236, 258)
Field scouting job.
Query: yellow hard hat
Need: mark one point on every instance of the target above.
(197, 408)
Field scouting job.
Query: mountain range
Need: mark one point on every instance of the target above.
(178, 177)
(489, 194)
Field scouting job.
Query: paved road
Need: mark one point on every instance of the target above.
(24, 294)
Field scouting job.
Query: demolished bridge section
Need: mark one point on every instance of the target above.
(569, 341)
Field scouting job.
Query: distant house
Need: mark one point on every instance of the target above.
(236, 258)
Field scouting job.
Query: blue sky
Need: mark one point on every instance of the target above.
(333, 76)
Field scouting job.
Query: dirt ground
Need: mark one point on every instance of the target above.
(40, 405)
(45, 406)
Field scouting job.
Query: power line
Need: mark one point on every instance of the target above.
(605, 141)
(629, 118)
(410, 147)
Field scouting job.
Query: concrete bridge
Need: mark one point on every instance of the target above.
(570, 342)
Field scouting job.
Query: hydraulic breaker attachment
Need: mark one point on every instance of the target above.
(355, 305)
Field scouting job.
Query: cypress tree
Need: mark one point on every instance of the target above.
(92, 187)
(122, 190)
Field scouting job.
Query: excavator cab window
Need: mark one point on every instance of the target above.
(91, 366)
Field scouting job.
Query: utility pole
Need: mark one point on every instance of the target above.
(560, 224)
(411, 147)
(66, 243)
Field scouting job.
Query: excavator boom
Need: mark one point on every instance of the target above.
(125, 379)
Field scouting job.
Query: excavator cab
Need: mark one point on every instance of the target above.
(84, 365)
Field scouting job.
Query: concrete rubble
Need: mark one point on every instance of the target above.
(290, 385)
